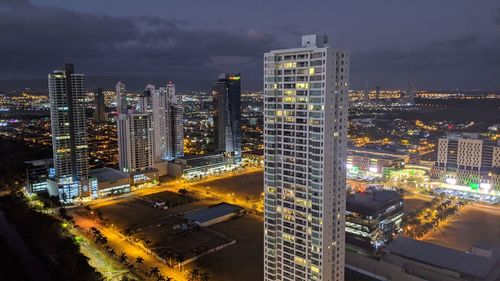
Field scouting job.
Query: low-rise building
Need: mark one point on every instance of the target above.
(37, 173)
(214, 214)
(373, 218)
(109, 182)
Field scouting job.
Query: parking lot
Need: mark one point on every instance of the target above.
(474, 223)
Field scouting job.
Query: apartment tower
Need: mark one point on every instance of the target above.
(69, 136)
(226, 93)
(305, 136)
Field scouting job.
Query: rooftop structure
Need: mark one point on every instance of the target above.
(214, 214)
(418, 255)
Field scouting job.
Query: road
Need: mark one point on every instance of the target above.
(175, 185)
(120, 244)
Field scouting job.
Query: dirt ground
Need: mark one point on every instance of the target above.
(242, 261)
(251, 185)
(474, 223)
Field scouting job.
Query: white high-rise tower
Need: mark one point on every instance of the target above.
(135, 135)
(167, 111)
(69, 136)
(305, 137)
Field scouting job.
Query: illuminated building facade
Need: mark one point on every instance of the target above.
(167, 112)
(121, 98)
(305, 138)
(135, 142)
(468, 160)
(226, 93)
(373, 218)
(69, 138)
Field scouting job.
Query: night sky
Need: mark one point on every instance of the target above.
(434, 44)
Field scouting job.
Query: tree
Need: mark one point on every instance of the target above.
(204, 276)
(123, 257)
(193, 275)
(139, 260)
(112, 252)
(160, 278)
(154, 271)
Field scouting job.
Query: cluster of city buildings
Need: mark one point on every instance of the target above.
(150, 136)
(468, 160)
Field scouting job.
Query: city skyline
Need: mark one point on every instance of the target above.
(432, 46)
(283, 141)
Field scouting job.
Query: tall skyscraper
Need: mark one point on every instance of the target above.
(226, 93)
(100, 107)
(135, 142)
(174, 114)
(135, 132)
(167, 113)
(305, 136)
(121, 98)
(69, 142)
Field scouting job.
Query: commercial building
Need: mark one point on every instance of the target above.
(468, 160)
(226, 93)
(377, 163)
(373, 218)
(37, 174)
(109, 182)
(100, 107)
(305, 138)
(69, 137)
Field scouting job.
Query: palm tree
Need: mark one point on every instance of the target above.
(193, 275)
(168, 278)
(139, 260)
(204, 276)
(112, 252)
(154, 271)
(123, 257)
(160, 278)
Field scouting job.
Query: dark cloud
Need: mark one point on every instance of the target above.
(37, 39)
(467, 61)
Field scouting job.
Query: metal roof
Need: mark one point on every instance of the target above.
(107, 174)
(212, 212)
(443, 257)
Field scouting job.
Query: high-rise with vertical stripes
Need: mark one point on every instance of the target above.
(305, 136)
(69, 136)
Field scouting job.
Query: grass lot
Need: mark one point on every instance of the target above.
(242, 261)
